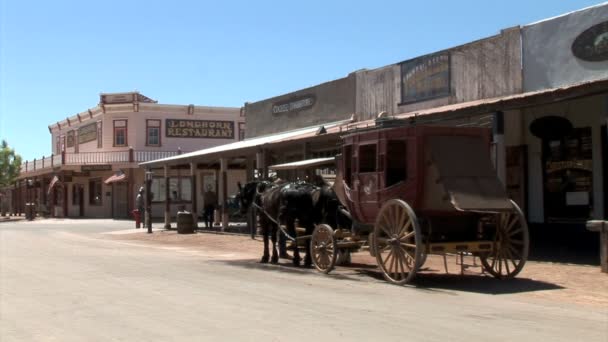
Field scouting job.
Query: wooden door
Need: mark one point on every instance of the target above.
(120, 201)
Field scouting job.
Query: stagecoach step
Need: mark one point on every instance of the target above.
(348, 244)
(458, 247)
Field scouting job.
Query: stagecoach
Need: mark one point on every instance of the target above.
(412, 191)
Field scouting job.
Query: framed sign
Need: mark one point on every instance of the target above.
(210, 129)
(87, 133)
(425, 78)
(592, 44)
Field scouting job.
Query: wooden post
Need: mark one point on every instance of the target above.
(65, 195)
(500, 148)
(167, 199)
(250, 166)
(193, 194)
(224, 180)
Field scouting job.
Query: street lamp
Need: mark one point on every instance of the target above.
(148, 215)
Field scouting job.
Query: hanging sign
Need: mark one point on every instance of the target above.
(592, 44)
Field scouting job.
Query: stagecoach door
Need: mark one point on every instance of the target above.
(366, 180)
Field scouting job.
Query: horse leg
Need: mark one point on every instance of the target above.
(308, 257)
(291, 229)
(266, 255)
(275, 255)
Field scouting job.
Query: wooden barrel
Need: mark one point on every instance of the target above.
(185, 222)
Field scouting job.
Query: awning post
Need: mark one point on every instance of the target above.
(167, 199)
(224, 181)
(193, 193)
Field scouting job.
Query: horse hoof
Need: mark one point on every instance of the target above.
(274, 260)
(264, 260)
(296, 262)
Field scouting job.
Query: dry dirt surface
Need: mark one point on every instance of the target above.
(555, 282)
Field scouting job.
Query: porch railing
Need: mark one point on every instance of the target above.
(93, 158)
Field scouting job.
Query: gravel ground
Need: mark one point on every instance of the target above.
(555, 282)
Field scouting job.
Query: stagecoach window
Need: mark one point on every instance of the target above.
(347, 157)
(396, 162)
(367, 158)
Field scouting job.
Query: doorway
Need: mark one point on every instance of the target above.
(121, 200)
(78, 198)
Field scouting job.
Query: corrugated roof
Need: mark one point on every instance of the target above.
(303, 164)
(246, 144)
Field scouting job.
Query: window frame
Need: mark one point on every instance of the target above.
(117, 128)
(148, 128)
(359, 157)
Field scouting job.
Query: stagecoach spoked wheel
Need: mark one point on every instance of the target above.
(323, 248)
(397, 242)
(510, 247)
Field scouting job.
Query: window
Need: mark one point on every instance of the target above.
(95, 192)
(180, 189)
(152, 132)
(396, 162)
(367, 158)
(120, 132)
(347, 157)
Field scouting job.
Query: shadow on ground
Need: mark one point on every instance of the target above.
(427, 280)
(564, 243)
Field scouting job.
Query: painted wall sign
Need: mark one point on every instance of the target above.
(293, 105)
(592, 44)
(87, 133)
(96, 168)
(212, 129)
(70, 140)
(425, 78)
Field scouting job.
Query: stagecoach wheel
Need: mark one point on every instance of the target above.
(323, 248)
(511, 244)
(397, 242)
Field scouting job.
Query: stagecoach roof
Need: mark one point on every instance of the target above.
(302, 164)
(243, 146)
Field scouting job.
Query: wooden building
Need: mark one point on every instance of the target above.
(93, 170)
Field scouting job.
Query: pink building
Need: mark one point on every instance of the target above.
(93, 170)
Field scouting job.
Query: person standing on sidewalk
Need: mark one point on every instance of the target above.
(210, 203)
(139, 202)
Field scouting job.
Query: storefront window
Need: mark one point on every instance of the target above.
(568, 170)
(180, 189)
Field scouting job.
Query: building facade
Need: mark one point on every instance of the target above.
(94, 172)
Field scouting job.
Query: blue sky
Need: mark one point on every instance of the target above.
(57, 56)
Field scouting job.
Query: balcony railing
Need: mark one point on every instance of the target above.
(93, 158)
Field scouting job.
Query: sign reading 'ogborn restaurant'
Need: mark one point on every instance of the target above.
(214, 129)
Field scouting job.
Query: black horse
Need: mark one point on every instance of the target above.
(307, 203)
(252, 194)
